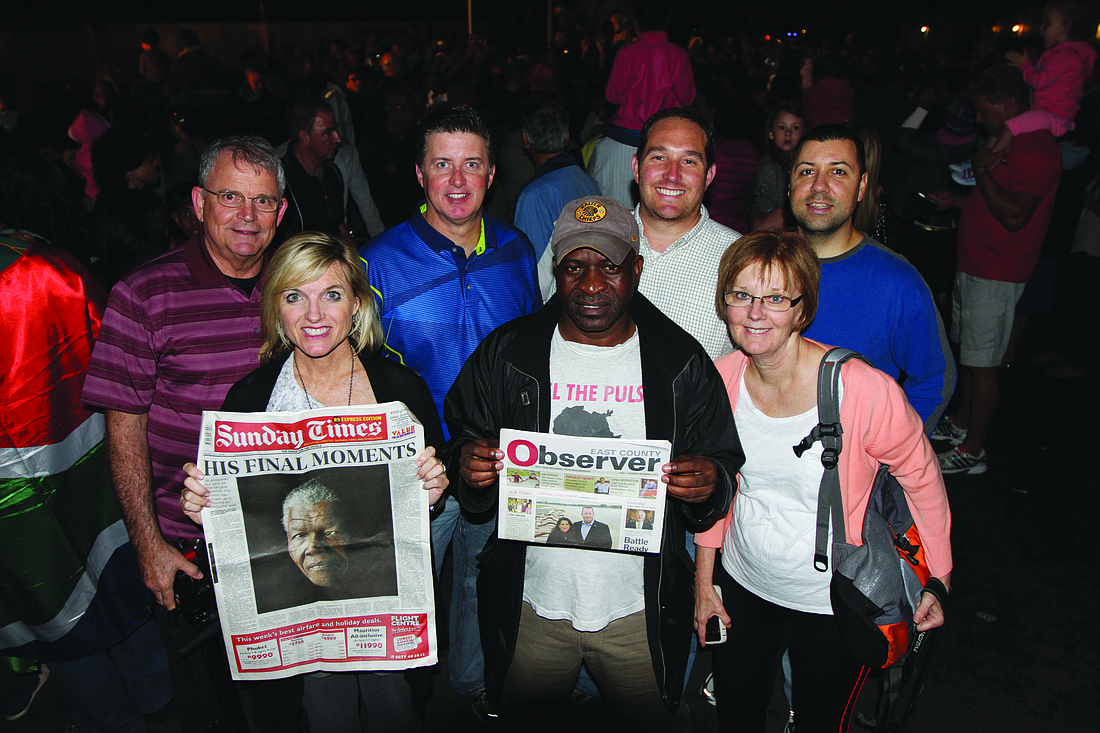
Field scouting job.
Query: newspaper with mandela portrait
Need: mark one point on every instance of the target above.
(318, 540)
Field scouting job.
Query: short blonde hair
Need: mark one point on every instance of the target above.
(787, 252)
(300, 260)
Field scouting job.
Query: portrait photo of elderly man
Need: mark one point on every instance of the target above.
(319, 536)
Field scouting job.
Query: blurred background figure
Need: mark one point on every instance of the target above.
(128, 228)
(121, 161)
(153, 64)
(38, 204)
(191, 141)
(727, 197)
(768, 207)
(649, 74)
(870, 216)
(85, 130)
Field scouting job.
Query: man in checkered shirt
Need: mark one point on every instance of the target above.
(680, 243)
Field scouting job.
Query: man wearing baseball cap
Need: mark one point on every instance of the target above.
(598, 360)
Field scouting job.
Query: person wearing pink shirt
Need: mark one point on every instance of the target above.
(86, 129)
(1058, 79)
(649, 75)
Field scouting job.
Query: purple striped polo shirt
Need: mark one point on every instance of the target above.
(175, 337)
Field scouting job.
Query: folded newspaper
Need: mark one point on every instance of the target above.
(318, 540)
(582, 492)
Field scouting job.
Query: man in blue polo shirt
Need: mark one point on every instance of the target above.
(443, 280)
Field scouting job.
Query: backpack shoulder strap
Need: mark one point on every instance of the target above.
(829, 432)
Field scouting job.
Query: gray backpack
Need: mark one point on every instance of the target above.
(876, 587)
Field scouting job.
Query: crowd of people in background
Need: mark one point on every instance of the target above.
(757, 94)
(398, 144)
(163, 111)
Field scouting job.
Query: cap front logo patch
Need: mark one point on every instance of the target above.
(590, 212)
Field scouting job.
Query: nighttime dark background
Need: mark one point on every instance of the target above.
(861, 16)
(71, 38)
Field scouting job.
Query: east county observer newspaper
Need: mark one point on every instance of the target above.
(553, 484)
(318, 540)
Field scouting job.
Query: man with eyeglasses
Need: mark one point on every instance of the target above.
(176, 335)
(871, 300)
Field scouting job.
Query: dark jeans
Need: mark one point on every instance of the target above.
(465, 659)
(332, 703)
(110, 691)
(826, 678)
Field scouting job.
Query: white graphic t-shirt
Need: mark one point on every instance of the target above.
(595, 391)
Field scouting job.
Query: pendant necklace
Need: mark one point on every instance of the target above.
(351, 379)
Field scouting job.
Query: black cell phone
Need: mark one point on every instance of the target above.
(715, 631)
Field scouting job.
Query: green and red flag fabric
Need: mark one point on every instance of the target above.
(69, 582)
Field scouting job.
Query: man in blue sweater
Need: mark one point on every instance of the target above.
(443, 280)
(872, 300)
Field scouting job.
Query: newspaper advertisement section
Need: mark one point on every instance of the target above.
(585, 492)
(318, 540)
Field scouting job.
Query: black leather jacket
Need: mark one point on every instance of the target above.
(506, 384)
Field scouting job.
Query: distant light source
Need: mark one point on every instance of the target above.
(924, 29)
(767, 38)
(1015, 29)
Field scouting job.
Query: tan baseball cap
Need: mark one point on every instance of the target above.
(598, 222)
